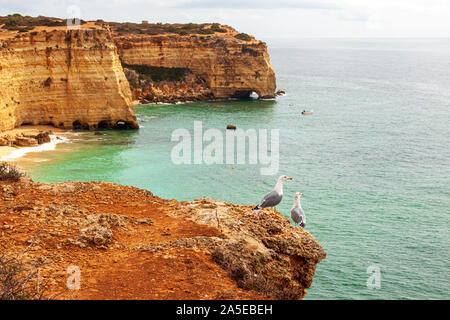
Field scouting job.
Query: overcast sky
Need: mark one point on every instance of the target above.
(263, 18)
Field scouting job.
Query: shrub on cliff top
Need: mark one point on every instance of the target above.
(243, 36)
(160, 28)
(20, 280)
(9, 172)
(15, 280)
(26, 23)
(217, 28)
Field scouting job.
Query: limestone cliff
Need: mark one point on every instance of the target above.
(230, 67)
(130, 244)
(67, 78)
(75, 78)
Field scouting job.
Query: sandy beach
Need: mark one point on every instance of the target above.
(5, 151)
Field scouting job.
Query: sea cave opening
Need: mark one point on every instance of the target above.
(122, 124)
(253, 95)
(246, 94)
(104, 124)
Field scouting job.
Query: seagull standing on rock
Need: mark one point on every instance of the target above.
(273, 198)
(297, 213)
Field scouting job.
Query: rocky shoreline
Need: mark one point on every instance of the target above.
(25, 140)
(130, 244)
(29, 138)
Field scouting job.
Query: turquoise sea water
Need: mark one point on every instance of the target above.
(373, 160)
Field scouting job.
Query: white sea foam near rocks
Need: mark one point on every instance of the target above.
(49, 146)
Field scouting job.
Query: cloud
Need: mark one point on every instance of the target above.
(255, 4)
(266, 18)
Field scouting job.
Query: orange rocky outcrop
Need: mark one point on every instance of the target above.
(130, 244)
(66, 78)
(190, 88)
(229, 67)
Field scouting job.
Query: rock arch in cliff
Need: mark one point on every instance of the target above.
(254, 95)
(246, 94)
(122, 124)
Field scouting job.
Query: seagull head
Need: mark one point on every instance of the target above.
(284, 178)
(299, 194)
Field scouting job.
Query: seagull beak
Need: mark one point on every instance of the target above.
(289, 178)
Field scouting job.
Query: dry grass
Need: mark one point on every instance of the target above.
(9, 172)
(20, 280)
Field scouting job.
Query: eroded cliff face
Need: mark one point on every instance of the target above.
(75, 78)
(230, 68)
(66, 78)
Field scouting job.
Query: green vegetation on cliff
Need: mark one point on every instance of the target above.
(27, 23)
(160, 28)
(157, 74)
(243, 36)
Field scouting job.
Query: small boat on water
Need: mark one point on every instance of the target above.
(307, 112)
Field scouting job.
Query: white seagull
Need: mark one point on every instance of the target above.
(273, 198)
(297, 213)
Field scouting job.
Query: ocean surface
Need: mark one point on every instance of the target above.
(373, 160)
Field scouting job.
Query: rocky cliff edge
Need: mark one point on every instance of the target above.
(130, 244)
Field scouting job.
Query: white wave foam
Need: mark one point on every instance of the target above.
(49, 146)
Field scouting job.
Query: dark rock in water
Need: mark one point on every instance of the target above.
(231, 127)
(43, 137)
(26, 140)
(98, 133)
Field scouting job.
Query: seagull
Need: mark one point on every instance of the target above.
(297, 213)
(273, 198)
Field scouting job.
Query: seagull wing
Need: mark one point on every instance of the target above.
(271, 199)
(298, 215)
